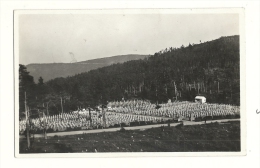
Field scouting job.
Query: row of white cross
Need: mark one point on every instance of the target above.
(129, 112)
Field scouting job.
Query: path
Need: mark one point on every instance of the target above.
(209, 121)
(128, 128)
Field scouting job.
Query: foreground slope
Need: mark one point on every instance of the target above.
(214, 137)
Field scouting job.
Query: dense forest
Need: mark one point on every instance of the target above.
(211, 69)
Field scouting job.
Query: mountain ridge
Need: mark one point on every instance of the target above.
(45, 70)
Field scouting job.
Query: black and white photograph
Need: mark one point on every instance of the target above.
(141, 81)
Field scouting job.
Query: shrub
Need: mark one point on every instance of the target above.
(198, 119)
(122, 129)
(50, 130)
(116, 125)
(69, 129)
(123, 124)
(142, 122)
(179, 125)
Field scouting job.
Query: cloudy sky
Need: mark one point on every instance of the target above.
(48, 38)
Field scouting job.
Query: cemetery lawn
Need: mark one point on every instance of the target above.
(212, 137)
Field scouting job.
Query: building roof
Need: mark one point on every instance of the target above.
(200, 97)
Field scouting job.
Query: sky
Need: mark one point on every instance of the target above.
(49, 38)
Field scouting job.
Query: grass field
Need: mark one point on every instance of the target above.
(209, 137)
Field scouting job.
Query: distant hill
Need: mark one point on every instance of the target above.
(50, 71)
(115, 59)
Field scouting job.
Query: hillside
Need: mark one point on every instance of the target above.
(54, 70)
(211, 69)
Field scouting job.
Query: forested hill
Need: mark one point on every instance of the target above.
(211, 69)
(53, 70)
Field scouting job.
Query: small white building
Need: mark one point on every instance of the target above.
(200, 99)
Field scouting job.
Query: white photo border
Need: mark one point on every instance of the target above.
(239, 11)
